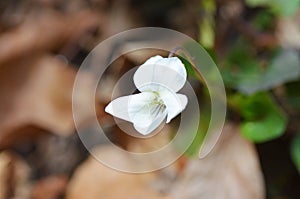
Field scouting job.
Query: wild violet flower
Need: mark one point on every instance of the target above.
(158, 80)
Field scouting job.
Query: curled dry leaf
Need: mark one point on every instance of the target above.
(37, 96)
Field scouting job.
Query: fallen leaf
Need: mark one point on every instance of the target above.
(37, 97)
(93, 180)
(231, 171)
(49, 32)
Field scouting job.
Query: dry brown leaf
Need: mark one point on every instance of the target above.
(36, 97)
(48, 32)
(231, 171)
(93, 180)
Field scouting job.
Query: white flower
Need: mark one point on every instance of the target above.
(158, 80)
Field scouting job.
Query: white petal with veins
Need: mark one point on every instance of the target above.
(146, 112)
(175, 103)
(145, 130)
(157, 71)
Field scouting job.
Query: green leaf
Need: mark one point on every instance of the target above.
(245, 73)
(282, 7)
(268, 128)
(263, 119)
(285, 67)
(295, 152)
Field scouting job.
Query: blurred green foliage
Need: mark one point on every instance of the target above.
(262, 118)
(281, 7)
(207, 25)
(295, 152)
(252, 73)
(249, 74)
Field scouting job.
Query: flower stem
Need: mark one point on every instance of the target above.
(190, 59)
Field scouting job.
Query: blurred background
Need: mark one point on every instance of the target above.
(255, 44)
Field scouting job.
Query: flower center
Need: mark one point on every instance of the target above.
(157, 106)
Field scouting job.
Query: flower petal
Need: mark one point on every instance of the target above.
(139, 109)
(125, 107)
(145, 113)
(119, 108)
(175, 103)
(145, 130)
(159, 73)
